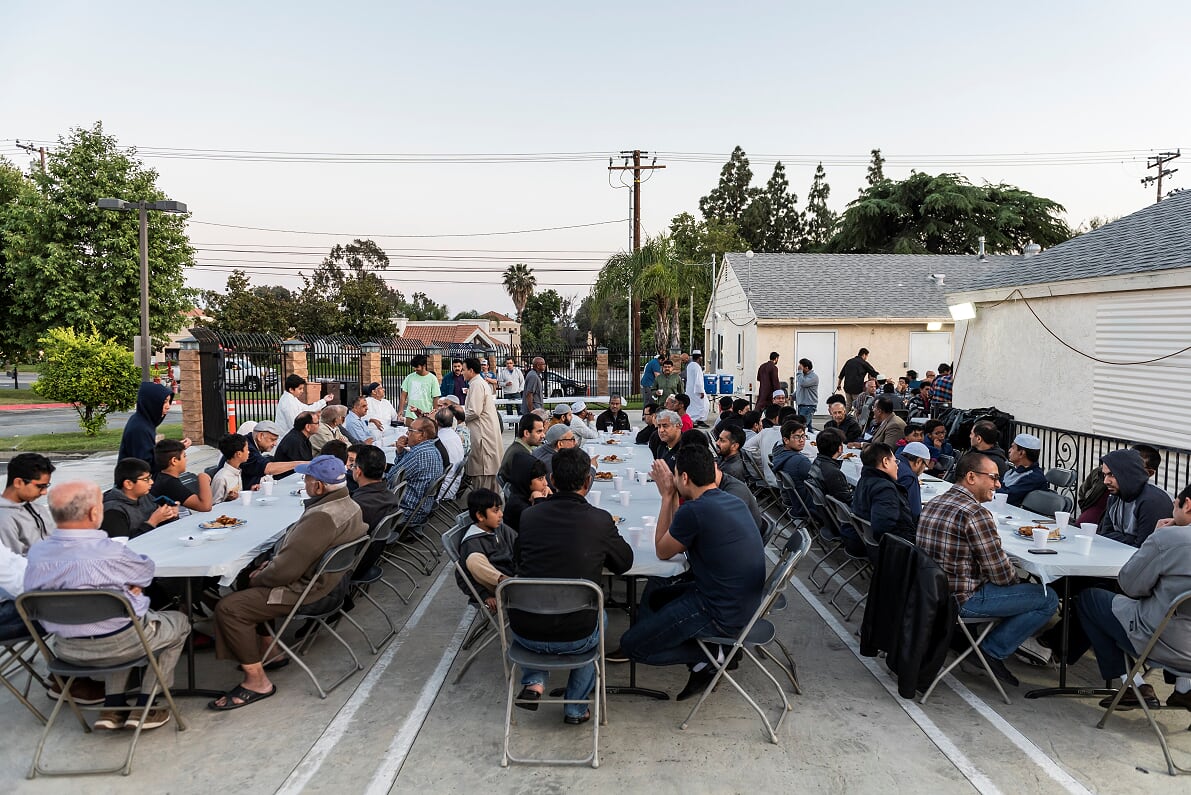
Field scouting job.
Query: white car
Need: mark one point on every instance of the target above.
(240, 373)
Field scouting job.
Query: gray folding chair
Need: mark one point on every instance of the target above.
(340, 559)
(555, 598)
(1044, 501)
(756, 634)
(74, 608)
(865, 528)
(483, 628)
(841, 512)
(14, 660)
(1143, 660)
(362, 581)
(974, 641)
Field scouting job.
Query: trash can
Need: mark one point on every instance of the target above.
(711, 385)
(727, 384)
(348, 391)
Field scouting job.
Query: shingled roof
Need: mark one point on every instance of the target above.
(857, 285)
(1155, 238)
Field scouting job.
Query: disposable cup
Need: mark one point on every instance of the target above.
(246, 497)
(617, 482)
(624, 498)
(594, 498)
(1041, 536)
(642, 478)
(630, 473)
(1000, 500)
(267, 487)
(1062, 519)
(1083, 543)
(650, 522)
(1088, 528)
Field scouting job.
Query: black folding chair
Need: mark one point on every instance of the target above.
(361, 581)
(14, 660)
(484, 629)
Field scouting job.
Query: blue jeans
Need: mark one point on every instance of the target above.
(581, 679)
(1023, 608)
(11, 625)
(671, 616)
(809, 413)
(1108, 637)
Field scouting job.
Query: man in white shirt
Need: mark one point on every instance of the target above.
(381, 412)
(290, 405)
(512, 383)
(759, 447)
(583, 421)
(12, 582)
(449, 440)
(694, 388)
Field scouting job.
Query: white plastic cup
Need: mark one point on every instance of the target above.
(1083, 543)
(630, 473)
(650, 522)
(1062, 519)
(267, 486)
(246, 497)
(1089, 528)
(617, 482)
(1000, 500)
(608, 430)
(594, 498)
(1041, 536)
(624, 498)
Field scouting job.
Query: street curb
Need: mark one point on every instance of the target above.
(31, 406)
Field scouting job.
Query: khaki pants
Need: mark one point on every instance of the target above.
(236, 618)
(166, 632)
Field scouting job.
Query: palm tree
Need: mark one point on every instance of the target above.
(654, 274)
(519, 282)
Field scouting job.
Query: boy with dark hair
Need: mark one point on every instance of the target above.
(22, 521)
(128, 510)
(486, 550)
(227, 483)
(171, 464)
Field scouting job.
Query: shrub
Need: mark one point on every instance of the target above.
(94, 374)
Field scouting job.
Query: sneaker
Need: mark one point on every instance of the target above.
(1034, 653)
(616, 656)
(156, 717)
(86, 692)
(1000, 671)
(1177, 699)
(110, 719)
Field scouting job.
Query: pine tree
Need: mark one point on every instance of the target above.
(729, 200)
(782, 225)
(876, 169)
(820, 220)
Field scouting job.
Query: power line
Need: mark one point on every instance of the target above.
(383, 276)
(312, 265)
(375, 235)
(1158, 162)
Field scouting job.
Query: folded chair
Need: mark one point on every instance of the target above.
(483, 628)
(14, 659)
(342, 558)
(974, 641)
(841, 513)
(556, 598)
(1142, 660)
(756, 634)
(88, 607)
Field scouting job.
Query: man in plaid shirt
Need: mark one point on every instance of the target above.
(419, 463)
(942, 388)
(961, 536)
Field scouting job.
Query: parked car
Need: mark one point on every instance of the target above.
(559, 385)
(240, 373)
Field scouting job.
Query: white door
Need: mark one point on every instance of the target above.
(819, 347)
(928, 349)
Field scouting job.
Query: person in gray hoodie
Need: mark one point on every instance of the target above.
(1134, 504)
(1158, 572)
(22, 522)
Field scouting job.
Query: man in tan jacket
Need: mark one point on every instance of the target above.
(888, 428)
(331, 518)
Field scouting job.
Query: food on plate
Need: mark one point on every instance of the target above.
(612, 459)
(612, 441)
(1027, 531)
(847, 456)
(603, 476)
(226, 521)
(617, 519)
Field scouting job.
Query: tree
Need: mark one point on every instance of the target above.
(421, 307)
(820, 220)
(519, 283)
(344, 295)
(540, 320)
(94, 374)
(468, 315)
(876, 169)
(268, 309)
(773, 223)
(698, 241)
(68, 263)
(728, 200)
(946, 214)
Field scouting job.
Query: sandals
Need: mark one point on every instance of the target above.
(244, 695)
(272, 665)
(528, 695)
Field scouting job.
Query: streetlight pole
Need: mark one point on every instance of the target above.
(144, 353)
(690, 321)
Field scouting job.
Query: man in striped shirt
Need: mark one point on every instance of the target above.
(961, 536)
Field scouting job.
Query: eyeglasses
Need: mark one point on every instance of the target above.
(798, 436)
(40, 486)
(996, 476)
(146, 478)
(570, 439)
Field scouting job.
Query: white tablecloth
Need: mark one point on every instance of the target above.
(644, 500)
(223, 557)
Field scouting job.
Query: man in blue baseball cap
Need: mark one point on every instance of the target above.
(274, 586)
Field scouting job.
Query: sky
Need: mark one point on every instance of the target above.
(1063, 99)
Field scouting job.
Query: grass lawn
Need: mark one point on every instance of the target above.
(78, 442)
(15, 397)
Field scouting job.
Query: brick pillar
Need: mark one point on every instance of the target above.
(370, 363)
(434, 360)
(293, 359)
(676, 360)
(192, 395)
(601, 370)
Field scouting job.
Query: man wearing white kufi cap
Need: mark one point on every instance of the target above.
(1025, 475)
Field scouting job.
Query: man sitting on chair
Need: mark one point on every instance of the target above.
(331, 518)
(1025, 475)
(727, 561)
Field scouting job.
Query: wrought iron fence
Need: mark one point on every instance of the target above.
(243, 367)
(1082, 451)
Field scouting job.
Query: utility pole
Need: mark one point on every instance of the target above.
(634, 305)
(1158, 162)
(30, 148)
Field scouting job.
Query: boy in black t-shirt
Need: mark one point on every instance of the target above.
(170, 456)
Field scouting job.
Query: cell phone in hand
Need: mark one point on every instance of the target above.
(162, 499)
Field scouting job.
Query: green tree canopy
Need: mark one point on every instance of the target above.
(269, 309)
(946, 214)
(421, 307)
(540, 320)
(876, 168)
(93, 373)
(772, 221)
(345, 294)
(67, 263)
(820, 220)
(731, 197)
(519, 283)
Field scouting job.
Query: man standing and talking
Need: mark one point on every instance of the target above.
(533, 395)
(694, 388)
(767, 381)
(853, 374)
(512, 383)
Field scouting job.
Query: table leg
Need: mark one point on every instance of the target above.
(1062, 689)
(631, 688)
(191, 688)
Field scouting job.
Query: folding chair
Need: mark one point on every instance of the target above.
(551, 597)
(841, 512)
(1044, 501)
(13, 661)
(799, 544)
(1138, 665)
(865, 528)
(335, 560)
(974, 642)
(362, 581)
(88, 607)
(483, 628)
(756, 634)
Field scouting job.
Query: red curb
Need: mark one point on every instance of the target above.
(27, 406)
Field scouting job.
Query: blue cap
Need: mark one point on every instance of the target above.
(324, 468)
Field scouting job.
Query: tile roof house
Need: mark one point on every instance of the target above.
(1090, 335)
(825, 307)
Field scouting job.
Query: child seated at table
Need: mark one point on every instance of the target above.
(914, 433)
(128, 510)
(170, 456)
(227, 484)
(487, 547)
